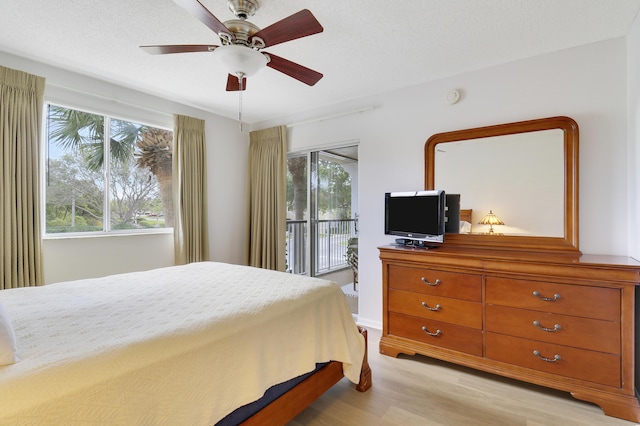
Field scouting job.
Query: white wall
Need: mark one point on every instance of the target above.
(586, 83)
(74, 258)
(67, 259)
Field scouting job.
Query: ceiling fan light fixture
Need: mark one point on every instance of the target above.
(240, 59)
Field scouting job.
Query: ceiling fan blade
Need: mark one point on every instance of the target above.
(297, 71)
(233, 85)
(164, 49)
(202, 14)
(298, 25)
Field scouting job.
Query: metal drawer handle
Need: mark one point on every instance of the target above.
(437, 282)
(554, 359)
(429, 308)
(550, 330)
(437, 333)
(547, 299)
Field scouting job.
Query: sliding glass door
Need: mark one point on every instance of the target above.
(321, 209)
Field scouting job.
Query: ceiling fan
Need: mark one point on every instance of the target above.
(242, 42)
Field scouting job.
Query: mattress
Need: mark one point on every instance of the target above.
(180, 345)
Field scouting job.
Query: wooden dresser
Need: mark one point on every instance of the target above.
(562, 321)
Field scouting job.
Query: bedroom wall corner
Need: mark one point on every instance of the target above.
(633, 135)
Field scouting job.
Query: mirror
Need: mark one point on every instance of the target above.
(526, 173)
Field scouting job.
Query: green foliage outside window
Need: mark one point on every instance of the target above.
(335, 182)
(138, 173)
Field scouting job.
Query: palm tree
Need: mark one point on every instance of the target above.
(155, 153)
(83, 131)
(79, 130)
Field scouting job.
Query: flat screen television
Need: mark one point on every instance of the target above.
(417, 216)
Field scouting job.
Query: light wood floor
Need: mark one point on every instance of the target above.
(421, 391)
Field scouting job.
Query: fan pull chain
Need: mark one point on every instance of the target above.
(241, 89)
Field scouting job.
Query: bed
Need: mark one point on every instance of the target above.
(180, 345)
(466, 214)
(465, 220)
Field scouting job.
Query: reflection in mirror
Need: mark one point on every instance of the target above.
(519, 177)
(526, 173)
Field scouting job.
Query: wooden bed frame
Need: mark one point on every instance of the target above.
(465, 214)
(293, 402)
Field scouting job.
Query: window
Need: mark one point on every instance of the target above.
(104, 174)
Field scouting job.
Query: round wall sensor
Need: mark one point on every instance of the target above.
(453, 96)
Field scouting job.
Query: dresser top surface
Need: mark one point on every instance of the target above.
(593, 260)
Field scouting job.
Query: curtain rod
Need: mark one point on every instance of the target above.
(112, 99)
(328, 117)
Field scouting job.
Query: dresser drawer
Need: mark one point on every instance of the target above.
(444, 334)
(432, 281)
(585, 333)
(577, 300)
(456, 311)
(591, 366)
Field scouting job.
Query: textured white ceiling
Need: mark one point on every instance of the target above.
(367, 47)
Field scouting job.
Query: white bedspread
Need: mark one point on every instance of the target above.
(175, 346)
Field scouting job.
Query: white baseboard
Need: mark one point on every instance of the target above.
(368, 323)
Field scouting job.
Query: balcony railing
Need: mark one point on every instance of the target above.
(330, 248)
(297, 246)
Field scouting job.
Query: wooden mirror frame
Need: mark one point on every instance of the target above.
(567, 244)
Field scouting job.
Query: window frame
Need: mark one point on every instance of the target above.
(107, 230)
